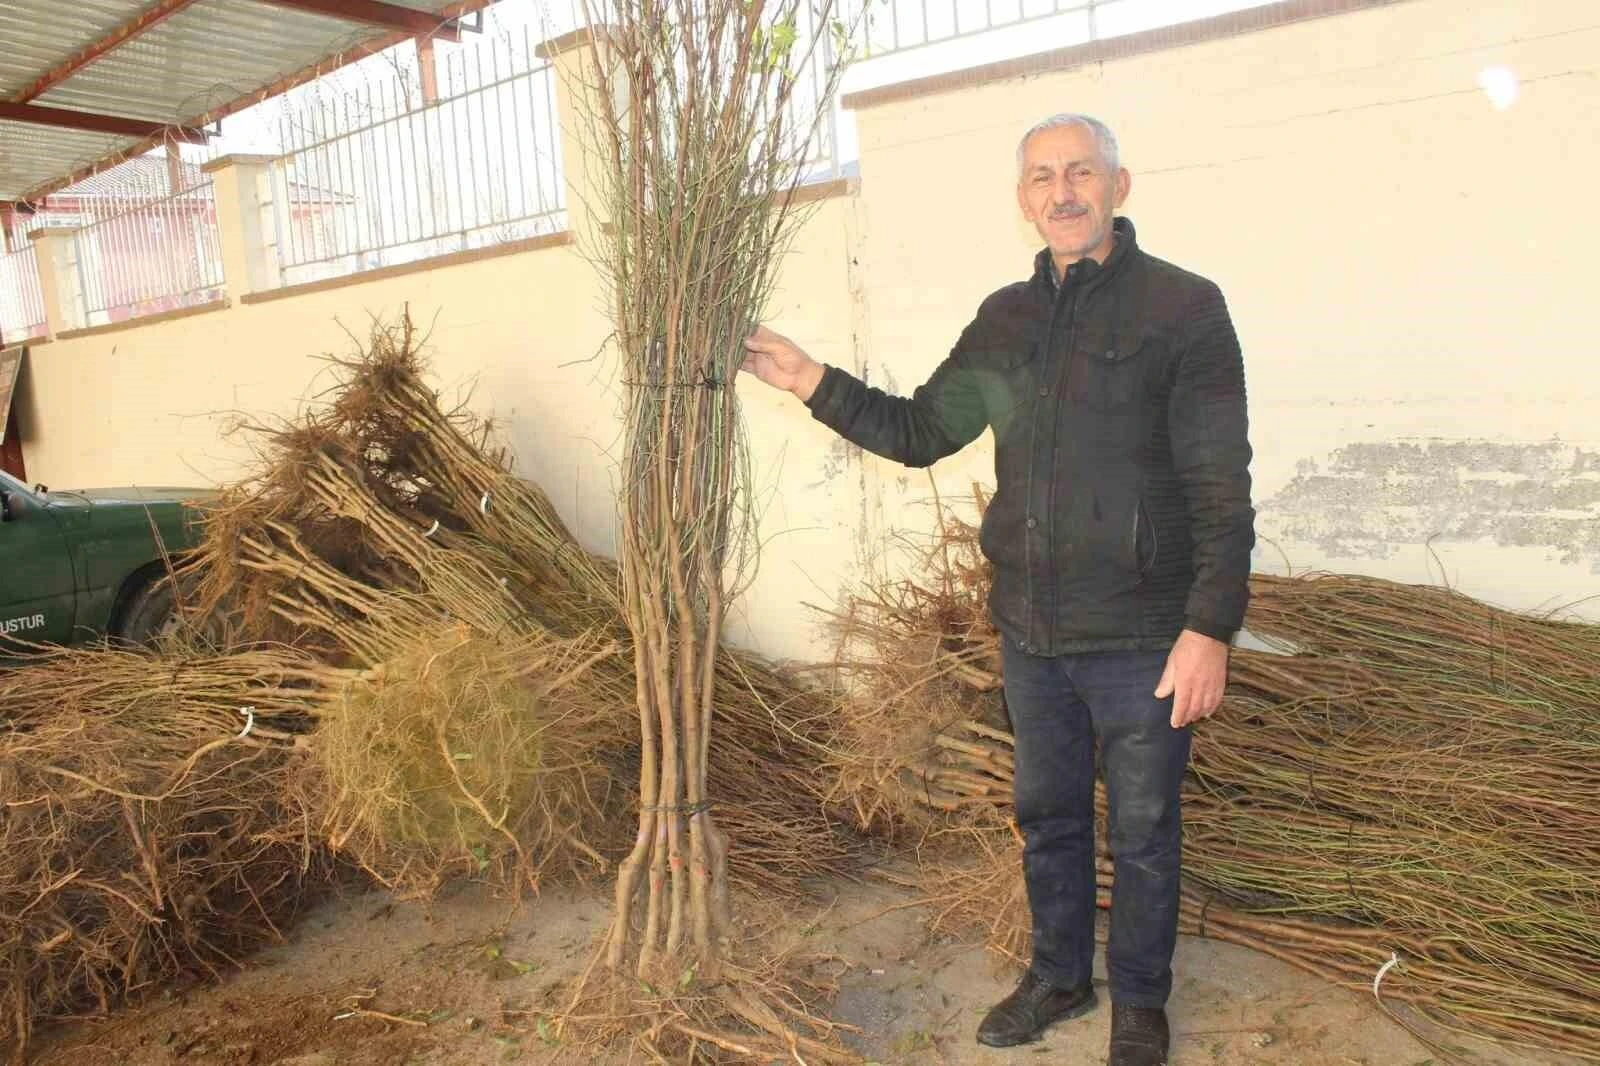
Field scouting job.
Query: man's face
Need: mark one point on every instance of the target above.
(1069, 194)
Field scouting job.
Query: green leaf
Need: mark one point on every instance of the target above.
(687, 979)
(523, 967)
(442, 1015)
(841, 40)
(481, 853)
(462, 756)
(546, 1033)
(783, 36)
(647, 989)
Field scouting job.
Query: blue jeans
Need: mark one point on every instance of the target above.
(1059, 707)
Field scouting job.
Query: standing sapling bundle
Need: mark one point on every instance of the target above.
(700, 132)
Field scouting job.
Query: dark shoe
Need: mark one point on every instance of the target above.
(1033, 1007)
(1139, 1036)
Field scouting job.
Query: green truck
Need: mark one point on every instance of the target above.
(79, 566)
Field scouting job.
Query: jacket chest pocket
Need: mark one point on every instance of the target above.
(1120, 374)
(1009, 382)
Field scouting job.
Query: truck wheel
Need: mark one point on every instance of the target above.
(150, 615)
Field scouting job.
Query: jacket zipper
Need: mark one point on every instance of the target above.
(1033, 458)
(1063, 382)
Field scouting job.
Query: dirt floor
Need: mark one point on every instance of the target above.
(366, 981)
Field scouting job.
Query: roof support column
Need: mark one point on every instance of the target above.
(428, 68)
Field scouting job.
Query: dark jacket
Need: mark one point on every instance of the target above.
(1122, 508)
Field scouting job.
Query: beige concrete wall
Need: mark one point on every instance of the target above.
(1408, 269)
(1405, 264)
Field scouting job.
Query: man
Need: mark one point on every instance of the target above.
(1120, 534)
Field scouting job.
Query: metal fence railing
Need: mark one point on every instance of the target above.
(376, 176)
(886, 27)
(21, 299)
(141, 255)
(892, 26)
(817, 45)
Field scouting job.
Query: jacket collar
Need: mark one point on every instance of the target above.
(1087, 271)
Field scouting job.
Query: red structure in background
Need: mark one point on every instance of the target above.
(153, 246)
(10, 435)
(11, 453)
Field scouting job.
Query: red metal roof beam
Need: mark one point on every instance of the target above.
(93, 122)
(375, 13)
(151, 16)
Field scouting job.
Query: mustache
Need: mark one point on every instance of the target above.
(1070, 211)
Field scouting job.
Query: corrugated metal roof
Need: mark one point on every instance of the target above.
(39, 35)
(32, 155)
(210, 55)
(419, 5)
(203, 57)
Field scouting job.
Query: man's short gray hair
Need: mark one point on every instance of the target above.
(1104, 139)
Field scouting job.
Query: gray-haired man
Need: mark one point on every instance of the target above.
(1120, 535)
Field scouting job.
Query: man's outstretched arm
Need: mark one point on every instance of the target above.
(941, 417)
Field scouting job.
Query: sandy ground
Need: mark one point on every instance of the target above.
(367, 981)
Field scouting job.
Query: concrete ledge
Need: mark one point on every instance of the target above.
(825, 190)
(582, 37)
(146, 320)
(471, 255)
(221, 161)
(33, 342)
(1234, 24)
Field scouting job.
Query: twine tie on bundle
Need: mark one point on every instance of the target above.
(1394, 960)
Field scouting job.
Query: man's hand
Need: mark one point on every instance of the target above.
(779, 362)
(1195, 675)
